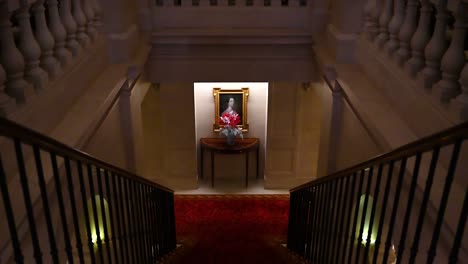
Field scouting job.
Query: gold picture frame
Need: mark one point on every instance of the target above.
(222, 96)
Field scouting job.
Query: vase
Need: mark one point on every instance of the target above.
(230, 138)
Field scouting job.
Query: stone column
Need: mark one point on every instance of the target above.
(11, 58)
(420, 39)
(125, 110)
(45, 40)
(332, 124)
(454, 59)
(30, 49)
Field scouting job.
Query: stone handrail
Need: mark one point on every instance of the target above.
(32, 56)
(431, 47)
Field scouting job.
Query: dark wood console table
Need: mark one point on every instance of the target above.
(218, 145)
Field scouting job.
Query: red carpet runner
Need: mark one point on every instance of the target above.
(232, 228)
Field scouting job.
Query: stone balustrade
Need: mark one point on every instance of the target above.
(195, 3)
(429, 40)
(46, 37)
(228, 17)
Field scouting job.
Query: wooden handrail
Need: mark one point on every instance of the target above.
(440, 139)
(13, 130)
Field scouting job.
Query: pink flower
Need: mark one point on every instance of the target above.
(228, 120)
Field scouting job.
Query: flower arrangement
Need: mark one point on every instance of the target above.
(229, 128)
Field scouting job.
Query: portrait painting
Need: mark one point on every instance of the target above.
(231, 102)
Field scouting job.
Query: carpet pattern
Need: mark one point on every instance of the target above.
(232, 228)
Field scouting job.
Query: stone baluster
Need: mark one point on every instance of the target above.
(375, 14)
(80, 19)
(45, 40)
(420, 39)
(395, 25)
(384, 19)
(88, 9)
(6, 102)
(436, 47)
(97, 14)
(461, 102)
(407, 30)
(369, 21)
(454, 59)
(11, 58)
(59, 33)
(30, 49)
(70, 26)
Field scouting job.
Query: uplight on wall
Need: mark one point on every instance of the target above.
(370, 229)
(99, 225)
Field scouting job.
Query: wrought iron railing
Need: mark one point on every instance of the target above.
(409, 205)
(61, 205)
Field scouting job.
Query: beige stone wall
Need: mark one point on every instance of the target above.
(152, 133)
(353, 142)
(169, 135)
(107, 142)
(293, 135)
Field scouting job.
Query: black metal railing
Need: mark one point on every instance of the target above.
(409, 205)
(61, 205)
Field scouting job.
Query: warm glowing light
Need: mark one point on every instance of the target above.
(97, 222)
(369, 232)
(365, 237)
(94, 237)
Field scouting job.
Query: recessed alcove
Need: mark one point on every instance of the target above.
(230, 169)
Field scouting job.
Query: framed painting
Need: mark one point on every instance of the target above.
(231, 101)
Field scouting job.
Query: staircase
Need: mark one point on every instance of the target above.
(406, 206)
(409, 205)
(61, 204)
